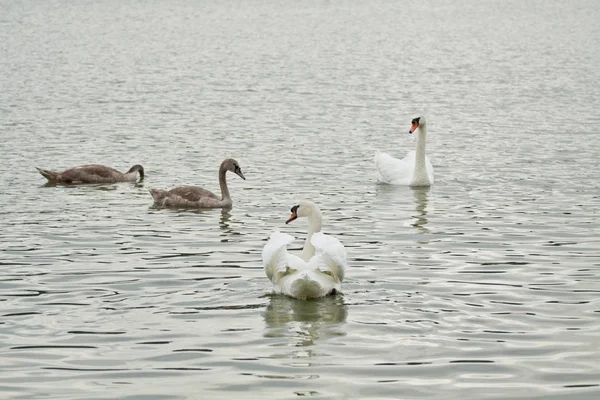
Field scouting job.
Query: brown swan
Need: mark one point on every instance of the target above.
(197, 197)
(92, 173)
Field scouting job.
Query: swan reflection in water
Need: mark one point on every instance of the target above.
(396, 198)
(420, 219)
(305, 321)
(224, 220)
(230, 227)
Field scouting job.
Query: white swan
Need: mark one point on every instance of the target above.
(319, 270)
(415, 169)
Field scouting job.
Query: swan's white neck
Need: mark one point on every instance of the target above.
(315, 220)
(420, 177)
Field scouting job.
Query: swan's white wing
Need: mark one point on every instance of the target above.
(330, 255)
(399, 171)
(274, 254)
(276, 259)
(393, 170)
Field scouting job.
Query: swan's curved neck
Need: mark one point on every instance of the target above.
(131, 176)
(223, 184)
(420, 177)
(315, 220)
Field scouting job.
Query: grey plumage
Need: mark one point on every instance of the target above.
(197, 197)
(92, 173)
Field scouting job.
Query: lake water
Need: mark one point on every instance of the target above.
(485, 286)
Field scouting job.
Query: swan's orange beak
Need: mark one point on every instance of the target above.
(292, 217)
(414, 127)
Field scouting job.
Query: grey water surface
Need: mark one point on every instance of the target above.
(485, 286)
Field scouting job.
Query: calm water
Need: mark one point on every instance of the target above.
(485, 286)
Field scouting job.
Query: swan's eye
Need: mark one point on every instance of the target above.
(294, 209)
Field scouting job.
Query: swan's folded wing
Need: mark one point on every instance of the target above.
(330, 254)
(193, 193)
(393, 170)
(275, 256)
(91, 173)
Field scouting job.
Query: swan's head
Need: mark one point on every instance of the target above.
(418, 122)
(231, 165)
(304, 208)
(137, 168)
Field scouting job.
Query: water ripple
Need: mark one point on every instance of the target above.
(484, 286)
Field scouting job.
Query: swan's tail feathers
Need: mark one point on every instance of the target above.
(50, 175)
(159, 195)
(305, 287)
(332, 255)
(275, 255)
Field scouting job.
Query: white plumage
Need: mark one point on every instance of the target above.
(321, 268)
(396, 171)
(413, 170)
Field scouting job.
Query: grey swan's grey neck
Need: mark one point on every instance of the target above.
(315, 221)
(420, 177)
(223, 183)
